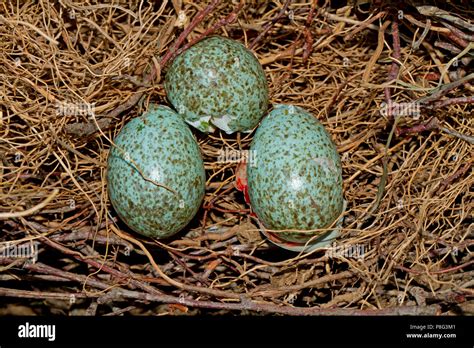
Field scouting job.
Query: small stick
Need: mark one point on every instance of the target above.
(337, 18)
(179, 285)
(395, 68)
(310, 284)
(85, 129)
(120, 311)
(378, 51)
(88, 234)
(45, 269)
(187, 268)
(432, 123)
(396, 51)
(425, 32)
(11, 215)
(428, 25)
(432, 76)
(454, 61)
(447, 46)
(308, 36)
(222, 22)
(459, 33)
(310, 17)
(13, 22)
(330, 105)
(445, 270)
(460, 172)
(364, 25)
(468, 138)
(440, 91)
(196, 20)
(457, 40)
(270, 24)
(6, 292)
(454, 101)
(244, 304)
(439, 13)
(383, 178)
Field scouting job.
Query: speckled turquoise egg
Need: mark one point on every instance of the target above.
(218, 83)
(296, 181)
(155, 173)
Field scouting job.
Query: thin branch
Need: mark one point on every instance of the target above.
(432, 123)
(468, 138)
(395, 68)
(222, 22)
(454, 101)
(11, 215)
(245, 304)
(270, 24)
(179, 41)
(364, 25)
(442, 90)
(460, 172)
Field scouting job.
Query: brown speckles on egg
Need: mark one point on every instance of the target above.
(297, 182)
(206, 80)
(161, 144)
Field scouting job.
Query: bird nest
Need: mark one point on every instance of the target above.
(391, 84)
